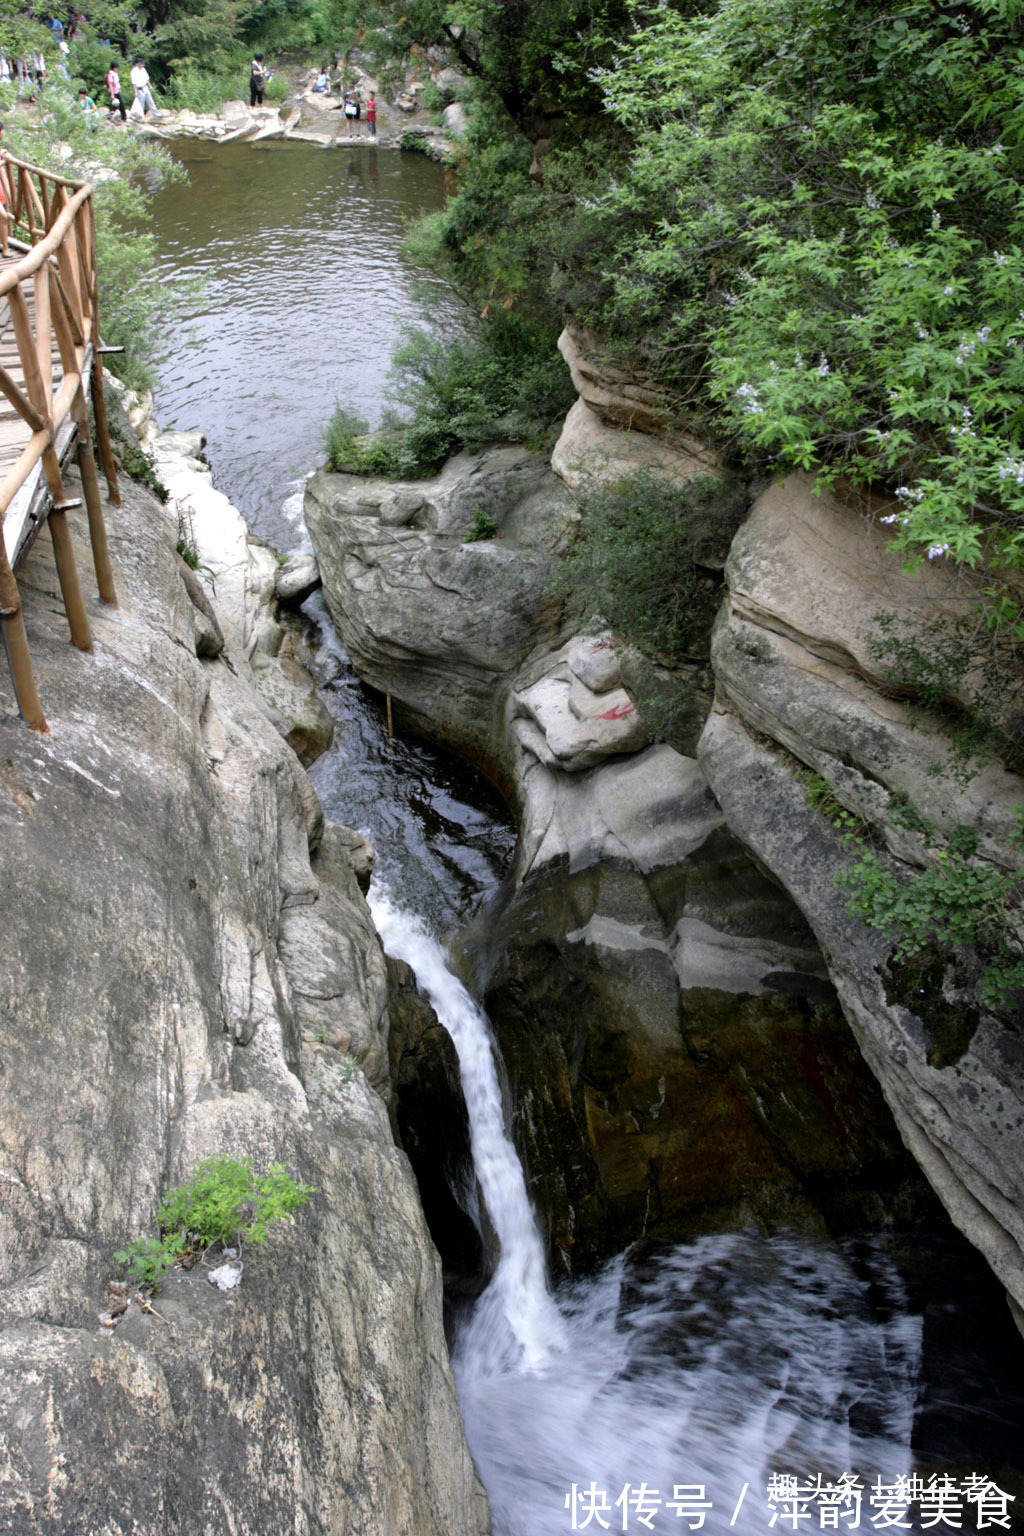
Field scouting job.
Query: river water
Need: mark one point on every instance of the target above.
(672, 1391)
(302, 296)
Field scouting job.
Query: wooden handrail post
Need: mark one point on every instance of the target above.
(93, 502)
(12, 631)
(99, 411)
(67, 572)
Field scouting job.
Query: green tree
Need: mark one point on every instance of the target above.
(817, 244)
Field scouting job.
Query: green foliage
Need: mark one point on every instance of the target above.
(188, 553)
(89, 61)
(820, 237)
(192, 88)
(431, 98)
(820, 797)
(415, 143)
(963, 674)
(958, 901)
(484, 527)
(148, 1259)
(457, 392)
(277, 89)
(648, 558)
(344, 455)
(225, 1201)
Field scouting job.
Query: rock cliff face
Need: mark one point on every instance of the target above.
(799, 684)
(656, 997)
(179, 978)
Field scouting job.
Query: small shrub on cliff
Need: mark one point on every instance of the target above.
(959, 901)
(344, 427)
(649, 557)
(223, 1201)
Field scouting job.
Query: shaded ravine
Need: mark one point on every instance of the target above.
(709, 1366)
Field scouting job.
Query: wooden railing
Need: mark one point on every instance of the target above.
(48, 303)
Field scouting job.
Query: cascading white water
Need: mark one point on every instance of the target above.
(523, 1323)
(720, 1363)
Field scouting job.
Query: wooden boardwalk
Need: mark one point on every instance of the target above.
(50, 367)
(26, 513)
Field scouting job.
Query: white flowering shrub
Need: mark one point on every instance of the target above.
(820, 239)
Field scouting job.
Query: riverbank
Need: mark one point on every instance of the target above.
(313, 118)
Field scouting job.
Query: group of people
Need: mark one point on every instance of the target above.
(143, 101)
(352, 103)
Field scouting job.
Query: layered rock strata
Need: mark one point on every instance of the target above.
(188, 969)
(802, 686)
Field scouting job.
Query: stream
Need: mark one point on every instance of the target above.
(672, 1391)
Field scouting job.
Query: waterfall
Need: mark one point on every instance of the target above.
(518, 1324)
(709, 1368)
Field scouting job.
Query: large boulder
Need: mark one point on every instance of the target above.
(676, 1055)
(439, 588)
(179, 980)
(804, 688)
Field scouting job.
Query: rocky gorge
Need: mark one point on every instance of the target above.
(698, 1037)
(687, 1010)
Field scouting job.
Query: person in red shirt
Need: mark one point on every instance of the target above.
(371, 114)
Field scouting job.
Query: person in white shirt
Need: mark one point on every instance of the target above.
(143, 94)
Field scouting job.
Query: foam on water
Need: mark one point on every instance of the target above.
(713, 1365)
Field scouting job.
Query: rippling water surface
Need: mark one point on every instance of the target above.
(302, 294)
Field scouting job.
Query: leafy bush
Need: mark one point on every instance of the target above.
(89, 61)
(958, 901)
(648, 558)
(148, 1259)
(484, 527)
(819, 238)
(223, 1201)
(192, 89)
(462, 392)
(340, 434)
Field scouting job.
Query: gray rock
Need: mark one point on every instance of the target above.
(595, 661)
(455, 120)
(796, 670)
(438, 622)
(296, 579)
(203, 991)
(656, 999)
(399, 509)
